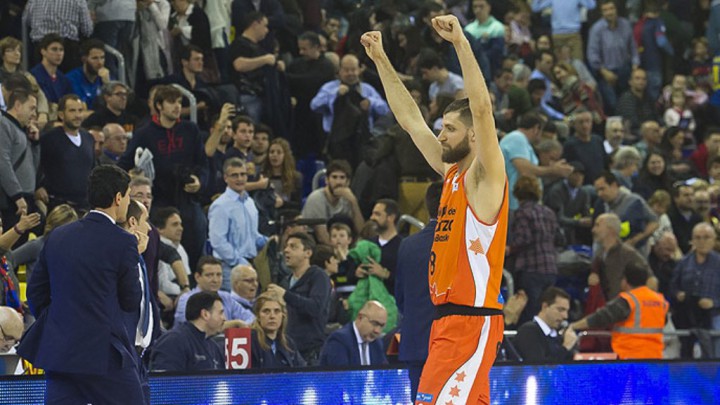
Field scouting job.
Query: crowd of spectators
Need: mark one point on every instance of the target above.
(607, 112)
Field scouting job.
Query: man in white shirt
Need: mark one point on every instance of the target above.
(169, 224)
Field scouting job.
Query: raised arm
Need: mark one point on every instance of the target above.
(402, 104)
(489, 165)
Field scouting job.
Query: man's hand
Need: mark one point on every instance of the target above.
(361, 271)
(593, 279)
(449, 28)
(33, 133)
(226, 112)
(377, 270)
(561, 168)
(142, 241)
(365, 104)
(344, 192)
(680, 296)
(276, 289)
(585, 222)
(104, 74)
(569, 338)
(372, 41)
(270, 59)
(280, 65)
(343, 89)
(21, 205)
(193, 187)
(609, 76)
(28, 222)
(42, 195)
(514, 307)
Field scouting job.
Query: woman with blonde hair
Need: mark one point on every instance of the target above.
(271, 347)
(279, 167)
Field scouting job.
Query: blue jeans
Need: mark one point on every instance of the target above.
(610, 94)
(253, 105)
(117, 34)
(654, 83)
(716, 340)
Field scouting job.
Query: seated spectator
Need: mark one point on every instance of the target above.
(87, 79)
(576, 94)
(544, 63)
(233, 222)
(672, 146)
(336, 198)
(115, 142)
(706, 150)
(571, 203)
(173, 280)
(285, 180)
(614, 135)
(27, 253)
(488, 31)
(679, 115)
(244, 280)
(532, 235)
(307, 292)
(324, 258)
(638, 314)
(189, 25)
(12, 327)
(653, 175)
(271, 346)
(47, 73)
(113, 110)
(660, 203)
(651, 137)
(358, 343)
(260, 145)
(541, 339)
(639, 221)
(191, 66)
(209, 278)
(191, 347)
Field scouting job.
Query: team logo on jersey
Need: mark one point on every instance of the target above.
(421, 397)
(476, 247)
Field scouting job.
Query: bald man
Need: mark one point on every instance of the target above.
(116, 142)
(358, 343)
(244, 283)
(348, 91)
(11, 325)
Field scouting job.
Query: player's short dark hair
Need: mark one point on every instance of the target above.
(90, 44)
(307, 242)
(636, 274)
(462, 107)
(50, 39)
(187, 51)
(321, 255)
(205, 261)
(199, 301)
(105, 182)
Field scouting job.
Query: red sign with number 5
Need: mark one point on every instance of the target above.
(237, 348)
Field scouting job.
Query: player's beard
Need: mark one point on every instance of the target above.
(458, 153)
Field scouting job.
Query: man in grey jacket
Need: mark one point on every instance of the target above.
(18, 157)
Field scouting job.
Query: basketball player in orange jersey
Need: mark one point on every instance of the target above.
(466, 261)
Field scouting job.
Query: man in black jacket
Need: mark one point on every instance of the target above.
(306, 292)
(539, 340)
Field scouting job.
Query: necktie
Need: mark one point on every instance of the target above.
(364, 361)
(145, 312)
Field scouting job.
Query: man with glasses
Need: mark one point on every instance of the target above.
(11, 328)
(358, 343)
(113, 111)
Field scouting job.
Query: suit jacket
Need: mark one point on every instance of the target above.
(412, 294)
(341, 349)
(84, 279)
(534, 346)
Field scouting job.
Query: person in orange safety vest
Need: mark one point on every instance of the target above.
(638, 315)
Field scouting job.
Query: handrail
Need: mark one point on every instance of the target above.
(191, 98)
(25, 34)
(122, 75)
(607, 333)
(409, 219)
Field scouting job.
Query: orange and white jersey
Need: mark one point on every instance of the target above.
(467, 258)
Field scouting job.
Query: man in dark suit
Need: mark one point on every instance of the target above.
(84, 279)
(357, 343)
(143, 326)
(412, 293)
(539, 340)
